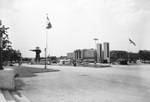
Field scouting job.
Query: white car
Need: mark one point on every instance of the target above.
(42, 61)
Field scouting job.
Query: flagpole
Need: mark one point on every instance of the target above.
(128, 52)
(46, 48)
(47, 27)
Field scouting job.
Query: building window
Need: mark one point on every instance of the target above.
(118, 55)
(121, 55)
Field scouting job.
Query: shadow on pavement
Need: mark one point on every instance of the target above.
(27, 72)
(19, 83)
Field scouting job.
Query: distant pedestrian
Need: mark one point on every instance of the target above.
(74, 63)
(19, 62)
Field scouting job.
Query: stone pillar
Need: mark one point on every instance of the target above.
(78, 54)
(82, 54)
(7, 79)
(75, 54)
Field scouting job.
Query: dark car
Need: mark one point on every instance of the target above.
(122, 61)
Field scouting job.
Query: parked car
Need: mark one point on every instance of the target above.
(122, 61)
(42, 61)
(65, 62)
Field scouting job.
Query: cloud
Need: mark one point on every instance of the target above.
(75, 21)
(6, 4)
(145, 4)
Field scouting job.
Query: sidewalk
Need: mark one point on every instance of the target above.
(12, 96)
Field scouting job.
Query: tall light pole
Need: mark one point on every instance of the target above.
(95, 50)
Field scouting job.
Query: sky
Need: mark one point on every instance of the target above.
(75, 23)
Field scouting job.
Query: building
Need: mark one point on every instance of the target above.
(102, 54)
(106, 52)
(88, 53)
(118, 54)
(133, 57)
(84, 54)
(99, 55)
(77, 54)
(70, 55)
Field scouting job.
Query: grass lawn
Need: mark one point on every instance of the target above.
(29, 71)
(26, 72)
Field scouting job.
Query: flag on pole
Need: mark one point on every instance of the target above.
(48, 23)
(132, 42)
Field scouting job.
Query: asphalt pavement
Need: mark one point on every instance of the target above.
(87, 84)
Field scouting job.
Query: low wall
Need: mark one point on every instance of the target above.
(7, 79)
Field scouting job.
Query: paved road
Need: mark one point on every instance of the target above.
(87, 84)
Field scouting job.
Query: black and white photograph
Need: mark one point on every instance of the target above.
(74, 51)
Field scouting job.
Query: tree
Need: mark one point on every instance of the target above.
(8, 54)
(6, 45)
(144, 55)
(3, 35)
(11, 55)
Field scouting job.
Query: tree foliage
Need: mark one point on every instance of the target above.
(9, 54)
(144, 55)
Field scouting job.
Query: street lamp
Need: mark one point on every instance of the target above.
(95, 50)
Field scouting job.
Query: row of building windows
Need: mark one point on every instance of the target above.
(114, 55)
(100, 55)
